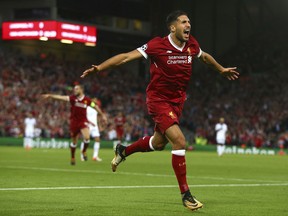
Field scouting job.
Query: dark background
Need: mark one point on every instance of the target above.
(218, 25)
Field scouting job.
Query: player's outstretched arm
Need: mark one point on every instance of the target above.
(101, 113)
(56, 97)
(113, 62)
(230, 72)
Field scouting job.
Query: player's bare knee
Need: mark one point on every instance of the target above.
(179, 143)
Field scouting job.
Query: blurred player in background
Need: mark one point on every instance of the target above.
(119, 124)
(171, 64)
(92, 116)
(78, 118)
(221, 130)
(29, 123)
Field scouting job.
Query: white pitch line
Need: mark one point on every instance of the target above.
(137, 174)
(140, 187)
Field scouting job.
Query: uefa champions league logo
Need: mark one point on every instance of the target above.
(144, 47)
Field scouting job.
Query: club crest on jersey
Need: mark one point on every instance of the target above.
(144, 47)
(189, 51)
(172, 115)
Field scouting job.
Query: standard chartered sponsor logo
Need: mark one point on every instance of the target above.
(179, 59)
(78, 104)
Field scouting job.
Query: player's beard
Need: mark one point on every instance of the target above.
(77, 94)
(181, 36)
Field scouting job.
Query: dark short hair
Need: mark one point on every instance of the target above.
(173, 16)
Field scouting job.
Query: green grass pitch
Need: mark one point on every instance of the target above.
(42, 182)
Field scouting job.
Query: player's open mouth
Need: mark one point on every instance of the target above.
(186, 32)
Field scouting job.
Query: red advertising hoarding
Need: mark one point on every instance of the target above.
(50, 30)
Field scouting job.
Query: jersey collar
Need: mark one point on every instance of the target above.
(174, 45)
(81, 98)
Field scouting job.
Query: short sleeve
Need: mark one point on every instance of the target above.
(150, 48)
(195, 48)
(200, 53)
(142, 50)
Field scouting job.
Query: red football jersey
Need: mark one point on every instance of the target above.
(170, 69)
(79, 108)
(119, 121)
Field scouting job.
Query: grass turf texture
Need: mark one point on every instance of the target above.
(231, 185)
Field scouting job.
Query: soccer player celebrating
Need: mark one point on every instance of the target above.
(221, 130)
(78, 118)
(171, 63)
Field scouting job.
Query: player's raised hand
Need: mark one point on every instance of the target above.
(230, 73)
(94, 68)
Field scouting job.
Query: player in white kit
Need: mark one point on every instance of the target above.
(29, 123)
(221, 130)
(92, 116)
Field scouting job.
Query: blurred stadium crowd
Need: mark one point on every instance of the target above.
(25, 78)
(255, 107)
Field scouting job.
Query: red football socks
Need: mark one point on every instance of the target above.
(179, 166)
(142, 145)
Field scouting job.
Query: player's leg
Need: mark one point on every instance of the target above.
(178, 142)
(95, 134)
(73, 146)
(144, 144)
(28, 140)
(218, 149)
(86, 140)
(222, 149)
(96, 148)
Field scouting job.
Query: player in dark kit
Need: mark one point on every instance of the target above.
(78, 118)
(171, 64)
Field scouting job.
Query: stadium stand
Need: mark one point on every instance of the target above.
(24, 78)
(254, 107)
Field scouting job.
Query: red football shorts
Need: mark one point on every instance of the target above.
(119, 132)
(164, 114)
(75, 127)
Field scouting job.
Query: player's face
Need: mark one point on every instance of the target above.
(182, 28)
(78, 91)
